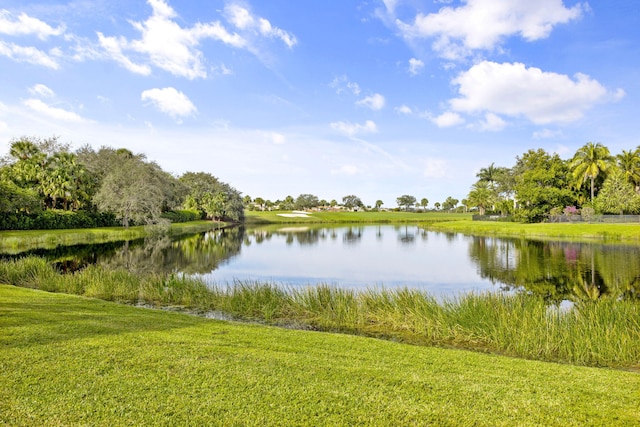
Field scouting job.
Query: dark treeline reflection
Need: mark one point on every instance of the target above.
(197, 254)
(559, 270)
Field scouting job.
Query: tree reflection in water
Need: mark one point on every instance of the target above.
(558, 270)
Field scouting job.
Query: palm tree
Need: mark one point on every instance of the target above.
(629, 163)
(23, 149)
(588, 162)
(481, 196)
(489, 175)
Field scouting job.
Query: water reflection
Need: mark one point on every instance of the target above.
(558, 270)
(360, 256)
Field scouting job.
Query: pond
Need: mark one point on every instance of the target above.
(370, 256)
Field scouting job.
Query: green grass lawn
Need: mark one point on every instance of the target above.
(276, 217)
(67, 360)
(611, 232)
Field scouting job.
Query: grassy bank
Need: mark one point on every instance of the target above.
(604, 232)
(597, 333)
(68, 360)
(277, 217)
(13, 242)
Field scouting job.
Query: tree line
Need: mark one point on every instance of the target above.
(349, 202)
(42, 176)
(542, 184)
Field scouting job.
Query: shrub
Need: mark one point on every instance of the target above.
(56, 220)
(182, 215)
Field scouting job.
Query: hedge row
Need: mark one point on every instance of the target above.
(55, 220)
(182, 216)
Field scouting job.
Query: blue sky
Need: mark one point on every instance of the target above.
(376, 98)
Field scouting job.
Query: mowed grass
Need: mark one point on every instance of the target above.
(278, 217)
(609, 232)
(68, 360)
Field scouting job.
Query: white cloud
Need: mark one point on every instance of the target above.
(447, 119)
(404, 109)
(113, 48)
(492, 123)
(27, 54)
(375, 102)
(167, 45)
(275, 138)
(243, 20)
(26, 25)
(42, 91)
(483, 24)
(547, 133)
(415, 66)
(170, 101)
(342, 84)
(514, 90)
(222, 69)
(434, 168)
(390, 5)
(352, 129)
(53, 112)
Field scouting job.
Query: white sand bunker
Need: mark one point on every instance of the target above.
(295, 214)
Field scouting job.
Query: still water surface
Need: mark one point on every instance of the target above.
(355, 257)
(378, 256)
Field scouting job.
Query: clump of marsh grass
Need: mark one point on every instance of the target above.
(30, 272)
(253, 300)
(327, 307)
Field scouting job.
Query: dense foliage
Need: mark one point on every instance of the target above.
(542, 184)
(44, 185)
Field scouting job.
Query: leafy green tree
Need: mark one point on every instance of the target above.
(133, 191)
(48, 168)
(352, 202)
(618, 195)
(542, 183)
(450, 203)
(216, 199)
(16, 199)
(590, 160)
(287, 204)
(406, 201)
(424, 203)
(379, 204)
(306, 201)
(260, 203)
(437, 205)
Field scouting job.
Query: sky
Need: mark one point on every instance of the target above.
(375, 98)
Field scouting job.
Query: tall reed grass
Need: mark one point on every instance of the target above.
(596, 333)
